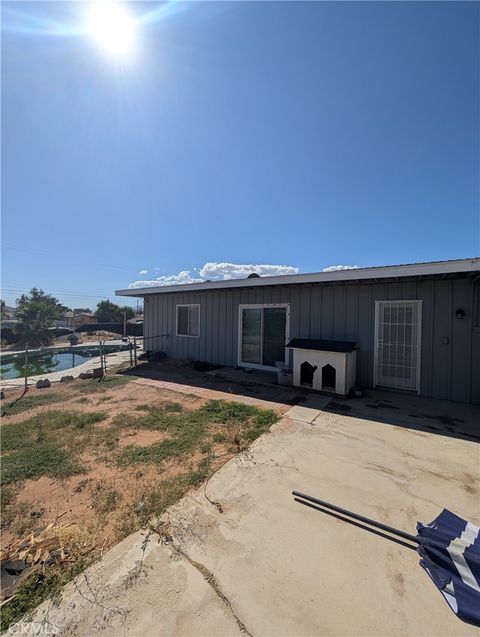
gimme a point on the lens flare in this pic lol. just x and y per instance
(113, 28)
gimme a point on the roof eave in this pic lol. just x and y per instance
(359, 274)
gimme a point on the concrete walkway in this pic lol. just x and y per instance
(258, 563)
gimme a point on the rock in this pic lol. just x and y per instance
(41, 384)
(66, 379)
(37, 514)
(204, 366)
(12, 572)
(155, 357)
(86, 375)
(2, 394)
(97, 372)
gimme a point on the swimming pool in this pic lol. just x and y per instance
(47, 362)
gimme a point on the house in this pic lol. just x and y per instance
(413, 327)
(9, 313)
(76, 319)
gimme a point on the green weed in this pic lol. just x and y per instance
(46, 444)
(93, 385)
(34, 590)
(31, 402)
(191, 429)
(157, 452)
(229, 412)
(105, 498)
(153, 502)
(164, 407)
(36, 461)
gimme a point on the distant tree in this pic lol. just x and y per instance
(83, 310)
(36, 313)
(108, 312)
(3, 308)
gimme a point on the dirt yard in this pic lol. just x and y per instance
(86, 463)
(258, 563)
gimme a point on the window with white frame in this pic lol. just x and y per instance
(188, 320)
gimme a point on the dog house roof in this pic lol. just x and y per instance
(322, 346)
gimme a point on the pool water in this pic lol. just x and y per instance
(13, 366)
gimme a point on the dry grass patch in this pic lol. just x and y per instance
(108, 473)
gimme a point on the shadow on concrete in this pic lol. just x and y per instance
(442, 417)
(237, 382)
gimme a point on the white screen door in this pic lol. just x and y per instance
(397, 344)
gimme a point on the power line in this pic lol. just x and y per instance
(18, 290)
(78, 260)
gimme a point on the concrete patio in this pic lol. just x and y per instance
(249, 560)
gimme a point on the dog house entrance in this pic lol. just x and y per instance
(329, 378)
(306, 373)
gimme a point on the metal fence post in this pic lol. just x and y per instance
(135, 349)
(26, 367)
(131, 354)
(101, 357)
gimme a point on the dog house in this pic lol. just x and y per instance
(327, 366)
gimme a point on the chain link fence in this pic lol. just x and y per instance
(42, 366)
(64, 362)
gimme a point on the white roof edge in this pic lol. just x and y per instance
(376, 272)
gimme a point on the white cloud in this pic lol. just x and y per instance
(217, 272)
(143, 272)
(336, 268)
(241, 271)
(174, 279)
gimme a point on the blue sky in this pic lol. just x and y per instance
(297, 134)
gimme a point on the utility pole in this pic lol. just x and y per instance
(125, 323)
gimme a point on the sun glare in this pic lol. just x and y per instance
(112, 27)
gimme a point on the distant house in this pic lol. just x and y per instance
(9, 313)
(413, 328)
(79, 318)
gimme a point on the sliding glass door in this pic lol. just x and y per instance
(263, 333)
(251, 336)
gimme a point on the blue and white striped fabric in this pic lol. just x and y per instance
(450, 552)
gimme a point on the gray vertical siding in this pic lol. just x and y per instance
(343, 312)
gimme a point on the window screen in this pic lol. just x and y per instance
(188, 320)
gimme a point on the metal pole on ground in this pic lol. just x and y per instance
(303, 498)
